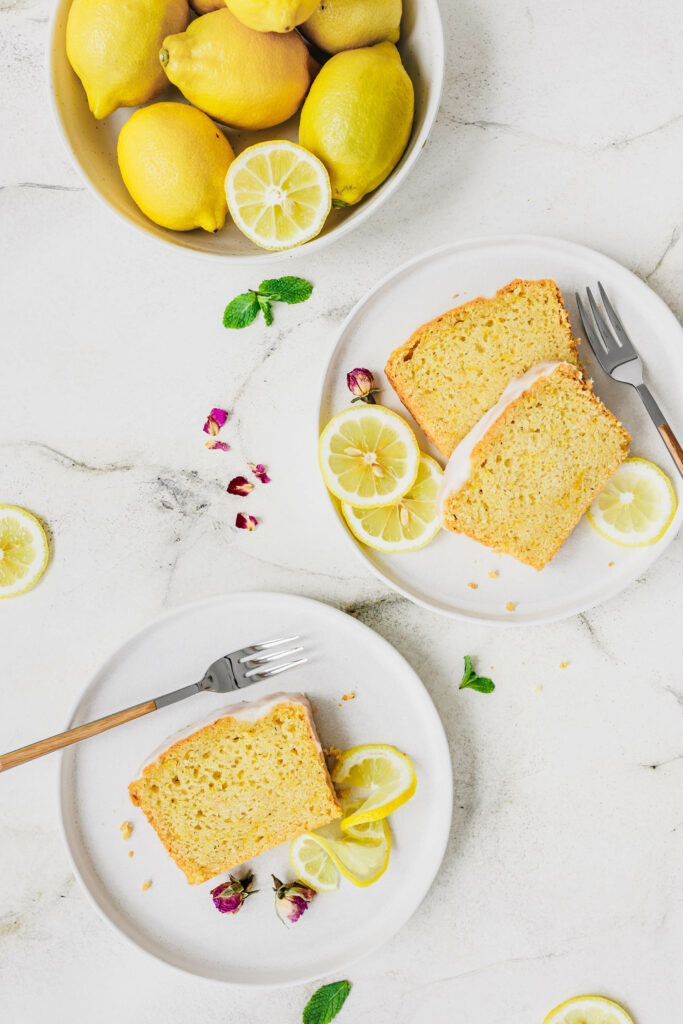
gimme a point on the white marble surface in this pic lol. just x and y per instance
(564, 870)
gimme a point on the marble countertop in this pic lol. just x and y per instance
(563, 874)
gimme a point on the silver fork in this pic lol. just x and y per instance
(616, 354)
(231, 672)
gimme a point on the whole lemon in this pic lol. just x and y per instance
(173, 161)
(347, 24)
(357, 119)
(114, 48)
(205, 6)
(272, 15)
(245, 79)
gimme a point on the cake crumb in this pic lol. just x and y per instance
(493, 574)
(131, 852)
(563, 664)
(351, 695)
(147, 884)
(126, 830)
(510, 606)
(538, 689)
(473, 586)
(334, 752)
(609, 564)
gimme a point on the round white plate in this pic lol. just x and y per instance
(92, 144)
(177, 922)
(588, 569)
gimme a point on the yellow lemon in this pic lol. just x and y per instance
(636, 507)
(246, 79)
(114, 49)
(381, 774)
(23, 550)
(357, 119)
(206, 6)
(272, 15)
(347, 24)
(588, 1010)
(173, 161)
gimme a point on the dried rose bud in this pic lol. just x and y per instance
(291, 899)
(214, 421)
(220, 446)
(229, 896)
(259, 472)
(240, 485)
(243, 522)
(361, 384)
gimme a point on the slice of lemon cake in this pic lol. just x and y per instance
(526, 473)
(455, 368)
(250, 778)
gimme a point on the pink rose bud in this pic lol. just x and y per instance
(229, 896)
(361, 384)
(291, 899)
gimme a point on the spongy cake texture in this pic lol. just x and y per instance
(237, 787)
(455, 368)
(538, 468)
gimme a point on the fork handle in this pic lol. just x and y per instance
(64, 739)
(658, 418)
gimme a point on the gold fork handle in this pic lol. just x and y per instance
(672, 444)
(64, 739)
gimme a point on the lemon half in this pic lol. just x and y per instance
(24, 550)
(368, 456)
(588, 1010)
(637, 505)
(384, 776)
(279, 194)
(409, 523)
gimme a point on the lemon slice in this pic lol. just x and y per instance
(361, 863)
(23, 550)
(366, 831)
(588, 1010)
(409, 523)
(368, 456)
(637, 505)
(279, 194)
(312, 863)
(384, 775)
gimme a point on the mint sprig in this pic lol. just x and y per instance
(472, 681)
(325, 1004)
(244, 308)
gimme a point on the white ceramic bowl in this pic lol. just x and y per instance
(92, 143)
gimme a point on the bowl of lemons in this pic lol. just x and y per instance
(245, 129)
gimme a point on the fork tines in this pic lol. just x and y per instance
(611, 345)
(261, 656)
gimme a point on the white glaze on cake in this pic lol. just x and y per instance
(247, 711)
(459, 467)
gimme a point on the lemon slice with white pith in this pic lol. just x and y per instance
(408, 524)
(23, 550)
(368, 456)
(380, 774)
(637, 505)
(588, 1010)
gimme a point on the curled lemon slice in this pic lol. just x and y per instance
(383, 775)
(278, 194)
(637, 505)
(24, 550)
(409, 523)
(312, 863)
(368, 456)
(365, 831)
(588, 1010)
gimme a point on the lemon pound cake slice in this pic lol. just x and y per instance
(455, 368)
(526, 473)
(251, 778)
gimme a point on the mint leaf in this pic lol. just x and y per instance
(471, 681)
(241, 311)
(325, 1004)
(266, 309)
(286, 289)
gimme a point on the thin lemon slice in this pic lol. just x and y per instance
(279, 194)
(409, 523)
(366, 831)
(361, 863)
(384, 776)
(637, 505)
(23, 550)
(588, 1010)
(312, 863)
(368, 456)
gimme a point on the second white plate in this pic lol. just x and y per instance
(451, 574)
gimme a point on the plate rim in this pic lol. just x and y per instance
(556, 244)
(439, 738)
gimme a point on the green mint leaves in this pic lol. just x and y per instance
(470, 679)
(244, 309)
(325, 1004)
